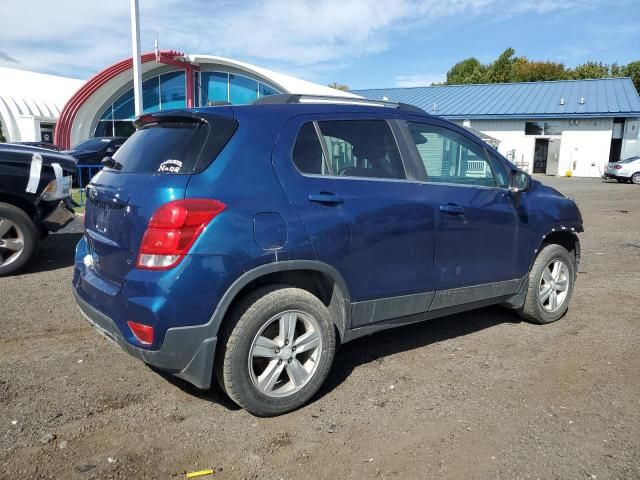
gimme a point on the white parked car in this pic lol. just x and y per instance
(625, 170)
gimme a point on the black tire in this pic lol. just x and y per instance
(246, 321)
(24, 228)
(533, 309)
(635, 178)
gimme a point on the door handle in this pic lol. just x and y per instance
(325, 197)
(452, 209)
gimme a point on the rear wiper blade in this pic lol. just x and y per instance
(111, 162)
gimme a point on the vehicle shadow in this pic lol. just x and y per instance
(214, 394)
(402, 339)
(56, 251)
(379, 345)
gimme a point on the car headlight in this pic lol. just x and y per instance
(57, 189)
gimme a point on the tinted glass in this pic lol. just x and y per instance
(266, 90)
(172, 90)
(123, 108)
(215, 87)
(242, 89)
(450, 157)
(93, 144)
(307, 152)
(150, 95)
(362, 148)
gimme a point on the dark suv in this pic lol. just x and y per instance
(246, 242)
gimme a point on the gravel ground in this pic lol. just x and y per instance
(476, 395)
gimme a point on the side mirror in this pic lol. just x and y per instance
(519, 181)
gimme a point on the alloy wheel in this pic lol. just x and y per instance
(554, 285)
(285, 353)
(11, 242)
(635, 178)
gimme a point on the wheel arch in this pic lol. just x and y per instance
(318, 278)
(564, 236)
(21, 203)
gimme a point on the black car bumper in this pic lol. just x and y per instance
(186, 352)
(61, 216)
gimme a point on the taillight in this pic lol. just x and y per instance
(617, 167)
(173, 228)
(143, 333)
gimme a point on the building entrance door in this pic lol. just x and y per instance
(540, 155)
(46, 132)
(553, 156)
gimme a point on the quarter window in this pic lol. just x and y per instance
(449, 157)
(307, 152)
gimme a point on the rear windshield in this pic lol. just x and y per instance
(630, 160)
(174, 147)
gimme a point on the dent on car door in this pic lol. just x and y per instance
(477, 226)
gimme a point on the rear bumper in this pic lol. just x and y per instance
(617, 177)
(187, 352)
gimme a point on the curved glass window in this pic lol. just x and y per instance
(242, 89)
(215, 87)
(229, 87)
(168, 91)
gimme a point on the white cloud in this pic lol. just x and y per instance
(82, 36)
(419, 80)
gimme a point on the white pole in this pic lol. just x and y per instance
(135, 48)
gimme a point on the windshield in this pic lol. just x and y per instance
(93, 144)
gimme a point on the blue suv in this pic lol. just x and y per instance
(246, 243)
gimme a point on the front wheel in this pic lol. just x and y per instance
(550, 285)
(19, 238)
(276, 350)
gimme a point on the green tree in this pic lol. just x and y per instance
(338, 86)
(525, 70)
(501, 71)
(469, 70)
(632, 69)
(590, 70)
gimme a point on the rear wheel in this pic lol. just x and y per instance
(276, 350)
(19, 238)
(550, 285)
(635, 178)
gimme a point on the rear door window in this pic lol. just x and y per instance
(174, 147)
(352, 148)
(362, 148)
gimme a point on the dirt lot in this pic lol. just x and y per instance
(477, 395)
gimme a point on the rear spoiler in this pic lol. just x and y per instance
(183, 116)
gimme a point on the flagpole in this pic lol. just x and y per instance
(135, 48)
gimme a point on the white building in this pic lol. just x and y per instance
(30, 103)
(104, 104)
(560, 127)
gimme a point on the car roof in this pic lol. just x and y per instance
(293, 109)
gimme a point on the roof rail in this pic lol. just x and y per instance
(286, 98)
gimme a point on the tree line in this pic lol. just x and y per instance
(508, 68)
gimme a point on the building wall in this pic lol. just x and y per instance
(586, 142)
(631, 138)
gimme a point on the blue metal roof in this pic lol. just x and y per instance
(609, 97)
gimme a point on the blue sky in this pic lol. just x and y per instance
(361, 43)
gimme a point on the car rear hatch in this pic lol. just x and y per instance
(152, 168)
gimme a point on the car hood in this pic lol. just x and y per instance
(18, 155)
